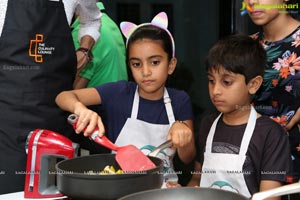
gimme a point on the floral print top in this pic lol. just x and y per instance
(279, 95)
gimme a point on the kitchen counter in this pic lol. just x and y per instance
(20, 196)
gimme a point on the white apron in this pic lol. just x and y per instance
(146, 136)
(225, 171)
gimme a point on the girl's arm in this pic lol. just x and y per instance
(182, 136)
(75, 101)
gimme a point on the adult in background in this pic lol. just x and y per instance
(108, 65)
(37, 61)
(88, 33)
(109, 62)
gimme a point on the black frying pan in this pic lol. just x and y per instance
(74, 181)
(193, 193)
(184, 193)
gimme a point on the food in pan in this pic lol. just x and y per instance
(107, 170)
(111, 170)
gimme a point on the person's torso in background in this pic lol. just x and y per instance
(109, 62)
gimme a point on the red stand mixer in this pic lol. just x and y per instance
(44, 149)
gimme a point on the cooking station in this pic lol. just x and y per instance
(20, 196)
(54, 172)
(58, 174)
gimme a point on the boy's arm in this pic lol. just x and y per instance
(276, 158)
(267, 185)
(195, 180)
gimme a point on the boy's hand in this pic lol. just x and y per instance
(170, 184)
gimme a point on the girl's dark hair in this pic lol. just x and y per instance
(154, 33)
(239, 54)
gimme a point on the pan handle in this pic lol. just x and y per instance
(287, 189)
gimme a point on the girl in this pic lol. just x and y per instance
(144, 112)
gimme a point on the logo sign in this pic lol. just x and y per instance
(246, 8)
(38, 48)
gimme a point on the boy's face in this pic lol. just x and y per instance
(264, 11)
(228, 91)
(150, 67)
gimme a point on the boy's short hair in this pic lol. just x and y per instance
(239, 54)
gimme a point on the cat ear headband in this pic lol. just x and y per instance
(160, 21)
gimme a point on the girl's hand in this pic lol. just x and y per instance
(76, 101)
(180, 134)
(88, 121)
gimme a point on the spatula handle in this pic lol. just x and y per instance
(104, 141)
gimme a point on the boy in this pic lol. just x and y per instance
(240, 150)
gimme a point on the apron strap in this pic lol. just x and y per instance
(247, 134)
(167, 101)
(168, 105)
(211, 134)
(135, 105)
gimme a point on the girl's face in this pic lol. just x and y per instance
(263, 11)
(150, 67)
(228, 91)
